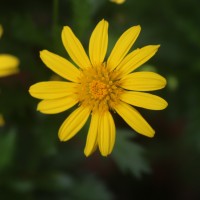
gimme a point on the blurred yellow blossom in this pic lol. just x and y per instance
(1, 30)
(118, 1)
(2, 122)
(8, 65)
(99, 87)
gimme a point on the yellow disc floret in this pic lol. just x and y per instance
(99, 89)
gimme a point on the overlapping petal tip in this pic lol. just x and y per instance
(122, 47)
(54, 106)
(60, 65)
(91, 142)
(75, 121)
(52, 89)
(8, 64)
(144, 100)
(136, 58)
(106, 136)
(143, 81)
(74, 48)
(98, 43)
(133, 118)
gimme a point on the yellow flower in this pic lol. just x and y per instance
(1, 30)
(118, 1)
(2, 122)
(99, 87)
(8, 63)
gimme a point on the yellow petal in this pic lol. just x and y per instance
(1, 30)
(75, 48)
(144, 100)
(8, 65)
(143, 81)
(98, 43)
(73, 123)
(106, 136)
(52, 89)
(133, 118)
(53, 106)
(122, 47)
(91, 143)
(60, 65)
(136, 58)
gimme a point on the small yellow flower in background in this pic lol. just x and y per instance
(8, 63)
(2, 122)
(99, 87)
(1, 30)
(118, 1)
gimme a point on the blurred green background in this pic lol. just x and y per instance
(35, 165)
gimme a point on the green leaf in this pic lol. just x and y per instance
(129, 155)
(89, 188)
(7, 146)
(55, 181)
(21, 186)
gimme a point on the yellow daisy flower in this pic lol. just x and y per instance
(8, 63)
(99, 87)
(118, 1)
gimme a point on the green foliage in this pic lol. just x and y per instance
(89, 188)
(129, 155)
(7, 147)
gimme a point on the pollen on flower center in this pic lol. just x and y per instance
(99, 88)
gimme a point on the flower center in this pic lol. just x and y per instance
(99, 88)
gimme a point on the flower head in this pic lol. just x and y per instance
(8, 63)
(99, 87)
(118, 1)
